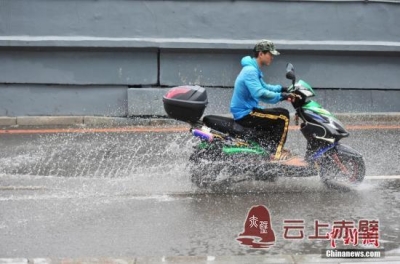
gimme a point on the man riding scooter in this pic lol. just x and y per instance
(249, 90)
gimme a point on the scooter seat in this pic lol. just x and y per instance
(226, 125)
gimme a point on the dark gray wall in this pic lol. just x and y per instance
(40, 100)
(292, 20)
(320, 69)
(78, 67)
(81, 57)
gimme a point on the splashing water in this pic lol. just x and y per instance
(97, 155)
(151, 161)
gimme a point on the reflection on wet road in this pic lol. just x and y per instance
(129, 194)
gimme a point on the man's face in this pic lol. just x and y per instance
(266, 58)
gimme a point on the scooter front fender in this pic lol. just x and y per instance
(347, 151)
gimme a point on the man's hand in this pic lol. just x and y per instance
(291, 97)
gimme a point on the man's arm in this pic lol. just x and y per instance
(258, 91)
(274, 88)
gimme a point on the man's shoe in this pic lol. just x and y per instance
(288, 159)
(295, 161)
(285, 155)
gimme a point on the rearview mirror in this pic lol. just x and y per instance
(290, 72)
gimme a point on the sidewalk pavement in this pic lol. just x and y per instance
(206, 260)
(96, 121)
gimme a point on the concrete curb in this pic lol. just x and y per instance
(205, 260)
(48, 120)
(124, 121)
(97, 121)
(91, 121)
(8, 121)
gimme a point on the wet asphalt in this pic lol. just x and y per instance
(129, 194)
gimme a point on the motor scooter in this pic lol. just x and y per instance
(228, 152)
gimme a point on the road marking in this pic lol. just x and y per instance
(153, 129)
(164, 197)
(383, 177)
(13, 261)
(210, 258)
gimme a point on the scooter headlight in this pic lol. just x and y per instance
(337, 125)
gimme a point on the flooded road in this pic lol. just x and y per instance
(129, 194)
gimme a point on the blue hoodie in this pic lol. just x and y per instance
(250, 89)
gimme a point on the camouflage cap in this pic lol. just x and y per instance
(266, 45)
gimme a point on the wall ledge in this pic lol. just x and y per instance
(192, 43)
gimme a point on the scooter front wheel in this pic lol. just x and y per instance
(339, 168)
